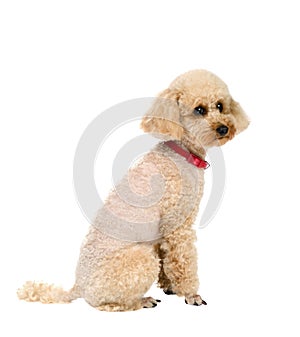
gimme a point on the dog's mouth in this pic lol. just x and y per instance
(221, 140)
(211, 137)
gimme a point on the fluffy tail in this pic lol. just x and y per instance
(46, 293)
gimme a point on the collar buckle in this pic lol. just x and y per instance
(193, 159)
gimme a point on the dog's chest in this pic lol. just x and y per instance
(183, 187)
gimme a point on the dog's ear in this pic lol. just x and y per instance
(164, 116)
(241, 118)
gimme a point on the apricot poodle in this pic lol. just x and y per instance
(144, 233)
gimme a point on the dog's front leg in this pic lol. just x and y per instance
(179, 265)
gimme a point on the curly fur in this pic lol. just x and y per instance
(158, 198)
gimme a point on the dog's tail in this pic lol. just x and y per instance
(46, 293)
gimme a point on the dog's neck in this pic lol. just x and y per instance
(190, 157)
(187, 144)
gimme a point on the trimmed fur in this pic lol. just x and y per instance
(158, 199)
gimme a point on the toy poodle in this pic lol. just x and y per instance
(144, 233)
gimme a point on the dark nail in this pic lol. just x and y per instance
(158, 301)
(203, 302)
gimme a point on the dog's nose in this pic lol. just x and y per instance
(222, 130)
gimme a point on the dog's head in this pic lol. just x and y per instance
(196, 109)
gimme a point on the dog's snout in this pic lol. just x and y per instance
(222, 130)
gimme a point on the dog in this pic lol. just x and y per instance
(144, 233)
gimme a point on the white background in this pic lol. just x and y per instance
(61, 64)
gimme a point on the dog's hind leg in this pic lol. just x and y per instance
(123, 278)
(145, 302)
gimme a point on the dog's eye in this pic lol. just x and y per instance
(200, 110)
(220, 106)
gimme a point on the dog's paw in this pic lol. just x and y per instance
(194, 300)
(149, 302)
(169, 292)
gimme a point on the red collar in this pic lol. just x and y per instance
(190, 157)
